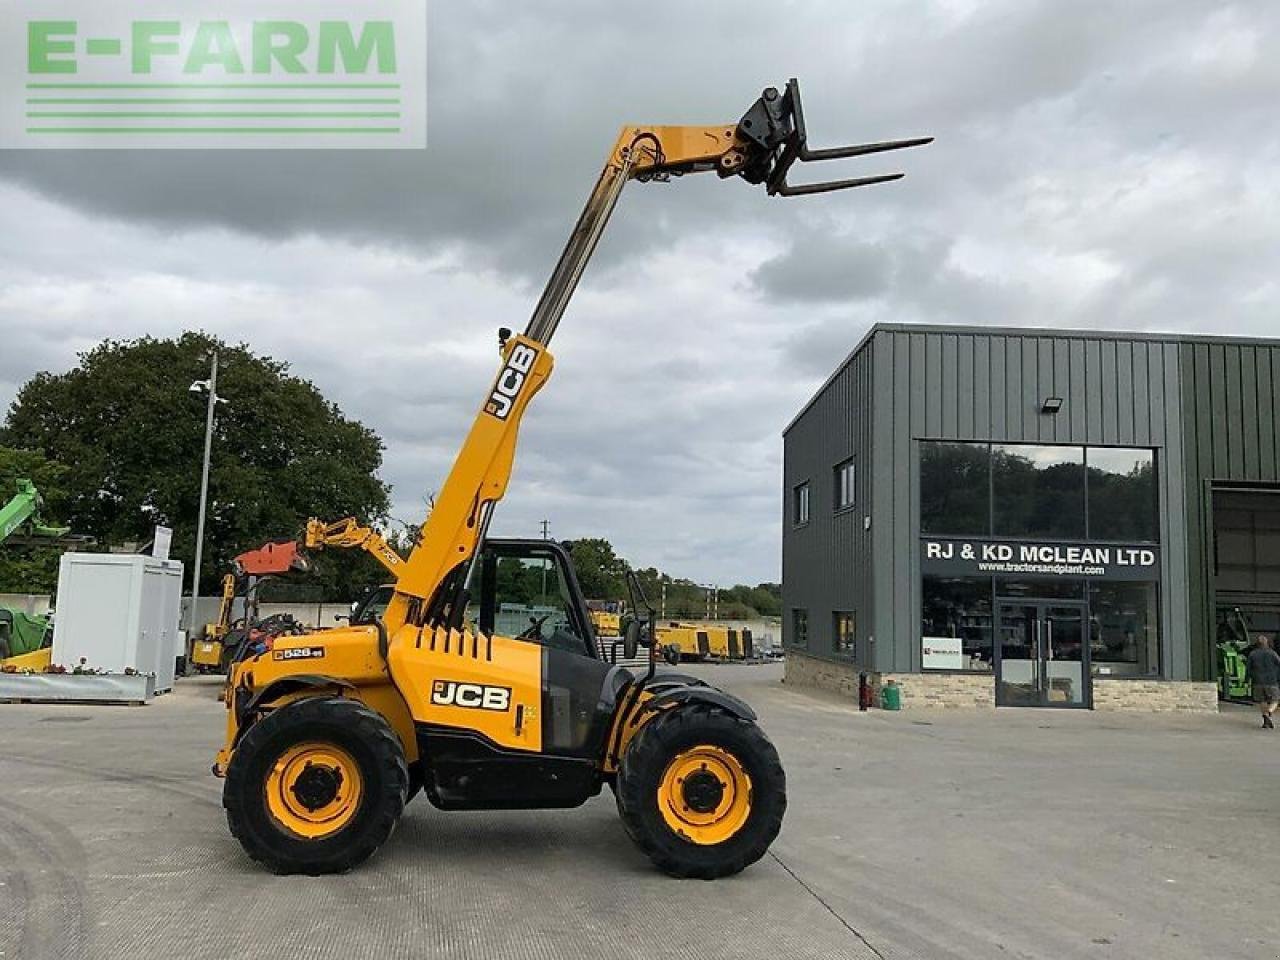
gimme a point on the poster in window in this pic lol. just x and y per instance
(941, 653)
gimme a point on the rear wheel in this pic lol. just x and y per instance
(316, 786)
(702, 792)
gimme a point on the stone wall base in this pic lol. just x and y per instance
(947, 690)
(800, 670)
(918, 690)
(1160, 696)
(977, 691)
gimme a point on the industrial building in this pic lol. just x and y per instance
(1018, 517)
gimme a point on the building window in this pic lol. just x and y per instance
(1122, 494)
(955, 488)
(843, 485)
(960, 608)
(844, 634)
(1038, 491)
(799, 627)
(800, 504)
(1124, 634)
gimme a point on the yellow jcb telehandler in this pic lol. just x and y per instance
(330, 734)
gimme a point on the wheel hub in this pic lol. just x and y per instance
(314, 789)
(317, 786)
(702, 791)
(704, 794)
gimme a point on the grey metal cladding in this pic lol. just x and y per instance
(826, 563)
(1232, 415)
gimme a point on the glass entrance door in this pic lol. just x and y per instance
(1041, 654)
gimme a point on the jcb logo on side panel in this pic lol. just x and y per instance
(514, 373)
(473, 696)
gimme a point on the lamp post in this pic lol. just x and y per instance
(209, 387)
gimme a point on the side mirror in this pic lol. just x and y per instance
(671, 654)
(631, 640)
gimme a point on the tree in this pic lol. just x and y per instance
(602, 574)
(131, 435)
(32, 569)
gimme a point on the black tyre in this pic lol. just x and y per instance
(415, 781)
(316, 786)
(701, 792)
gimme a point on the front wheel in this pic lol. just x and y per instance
(316, 786)
(702, 792)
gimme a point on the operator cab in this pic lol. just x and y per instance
(527, 589)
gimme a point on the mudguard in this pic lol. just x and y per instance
(287, 685)
(699, 693)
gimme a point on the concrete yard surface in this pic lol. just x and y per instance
(1009, 833)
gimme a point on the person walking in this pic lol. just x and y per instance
(1264, 672)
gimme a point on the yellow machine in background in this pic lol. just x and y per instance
(704, 641)
(207, 651)
(37, 661)
(330, 733)
(350, 535)
(606, 616)
(216, 648)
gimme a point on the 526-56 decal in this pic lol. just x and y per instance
(298, 653)
(474, 696)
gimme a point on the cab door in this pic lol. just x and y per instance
(515, 710)
(529, 591)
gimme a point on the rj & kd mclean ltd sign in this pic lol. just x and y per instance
(953, 557)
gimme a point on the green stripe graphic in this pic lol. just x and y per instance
(206, 114)
(213, 86)
(127, 100)
(213, 129)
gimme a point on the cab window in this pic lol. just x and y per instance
(373, 606)
(523, 592)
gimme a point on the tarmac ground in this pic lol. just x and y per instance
(1011, 833)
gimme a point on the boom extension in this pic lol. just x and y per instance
(762, 147)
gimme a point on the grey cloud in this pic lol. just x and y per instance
(821, 267)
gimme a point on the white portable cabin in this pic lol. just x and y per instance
(118, 611)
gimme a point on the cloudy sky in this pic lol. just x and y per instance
(1097, 165)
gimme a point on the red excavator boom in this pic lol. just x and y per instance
(283, 556)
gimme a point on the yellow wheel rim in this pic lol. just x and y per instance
(705, 795)
(314, 789)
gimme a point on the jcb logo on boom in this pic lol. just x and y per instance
(510, 380)
(474, 696)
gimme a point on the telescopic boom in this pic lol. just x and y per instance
(762, 147)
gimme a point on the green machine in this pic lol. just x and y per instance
(1233, 645)
(21, 632)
